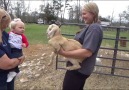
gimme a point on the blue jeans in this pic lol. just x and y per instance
(7, 85)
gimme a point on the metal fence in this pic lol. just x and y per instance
(114, 52)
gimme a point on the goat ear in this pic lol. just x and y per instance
(52, 33)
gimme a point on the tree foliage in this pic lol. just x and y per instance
(49, 13)
(4, 4)
(52, 10)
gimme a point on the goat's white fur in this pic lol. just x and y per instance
(57, 41)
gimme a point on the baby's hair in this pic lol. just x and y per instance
(17, 19)
(14, 22)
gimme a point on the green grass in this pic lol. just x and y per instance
(112, 34)
(36, 34)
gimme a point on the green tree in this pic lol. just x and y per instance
(49, 13)
(125, 14)
(34, 16)
(5, 4)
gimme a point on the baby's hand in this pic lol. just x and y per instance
(24, 45)
(22, 58)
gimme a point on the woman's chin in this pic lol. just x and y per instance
(85, 22)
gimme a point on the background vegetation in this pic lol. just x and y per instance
(55, 10)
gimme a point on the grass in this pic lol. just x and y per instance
(36, 34)
(112, 34)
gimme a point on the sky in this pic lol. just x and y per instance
(106, 7)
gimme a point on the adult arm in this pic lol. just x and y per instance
(79, 53)
(7, 63)
(90, 44)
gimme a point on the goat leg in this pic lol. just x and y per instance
(52, 58)
(75, 65)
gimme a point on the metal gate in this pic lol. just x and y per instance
(114, 52)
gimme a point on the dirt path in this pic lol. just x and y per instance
(36, 74)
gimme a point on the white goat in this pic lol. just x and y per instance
(57, 41)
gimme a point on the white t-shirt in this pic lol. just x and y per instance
(15, 40)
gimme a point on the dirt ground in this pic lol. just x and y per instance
(36, 74)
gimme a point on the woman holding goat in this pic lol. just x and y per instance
(90, 38)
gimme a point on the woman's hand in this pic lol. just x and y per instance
(21, 59)
(61, 51)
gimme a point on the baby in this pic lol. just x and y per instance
(17, 41)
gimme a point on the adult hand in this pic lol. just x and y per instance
(61, 51)
(22, 58)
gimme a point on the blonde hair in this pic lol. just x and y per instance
(92, 8)
(13, 23)
(4, 19)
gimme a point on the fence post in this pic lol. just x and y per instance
(122, 41)
(115, 51)
(57, 62)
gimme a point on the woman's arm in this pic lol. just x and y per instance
(6, 63)
(79, 53)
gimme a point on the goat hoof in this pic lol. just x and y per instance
(68, 68)
(49, 64)
(73, 68)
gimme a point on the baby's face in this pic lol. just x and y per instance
(19, 28)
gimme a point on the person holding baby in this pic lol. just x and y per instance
(7, 62)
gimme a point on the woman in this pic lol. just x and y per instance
(6, 62)
(90, 38)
